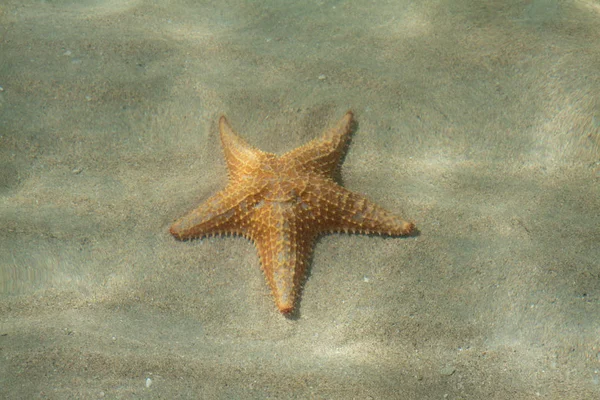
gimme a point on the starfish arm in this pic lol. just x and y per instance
(323, 155)
(228, 212)
(285, 247)
(241, 157)
(345, 211)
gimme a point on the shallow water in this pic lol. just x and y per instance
(477, 120)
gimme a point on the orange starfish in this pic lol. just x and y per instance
(283, 203)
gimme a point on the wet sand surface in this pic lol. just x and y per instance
(479, 121)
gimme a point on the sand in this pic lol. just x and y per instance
(478, 120)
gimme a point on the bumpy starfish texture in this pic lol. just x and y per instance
(283, 203)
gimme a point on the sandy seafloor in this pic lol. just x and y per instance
(478, 120)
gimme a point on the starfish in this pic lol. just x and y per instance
(284, 203)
